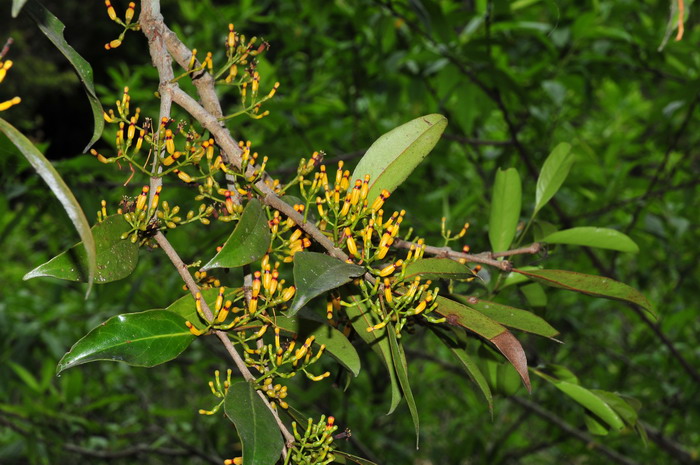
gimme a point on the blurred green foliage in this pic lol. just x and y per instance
(514, 80)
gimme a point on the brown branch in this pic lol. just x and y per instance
(486, 258)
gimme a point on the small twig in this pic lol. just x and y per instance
(486, 258)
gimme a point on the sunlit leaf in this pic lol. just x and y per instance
(248, 242)
(597, 286)
(17, 7)
(505, 209)
(392, 157)
(458, 348)
(438, 268)
(554, 171)
(512, 317)
(142, 339)
(588, 400)
(48, 173)
(316, 273)
(53, 28)
(116, 257)
(398, 358)
(603, 238)
(361, 319)
(458, 314)
(260, 436)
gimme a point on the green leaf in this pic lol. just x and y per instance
(116, 257)
(53, 29)
(17, 7)
(473, 320)
(26, 376)
(392, 157)
(534, 294)
(603, 238)
(316, 273)
(437, 268)
(458, 348)
(345, 458)
(620, 405)
(554, 171)
(362, 318)
(588, 400)
(505, 209)
(398, 357)
(248, 242)
(142, 339)
(512, 317)
(337, 345)
(256, 426)
(597, 286)
(48, 173)
(594, 426)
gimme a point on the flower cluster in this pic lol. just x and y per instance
(315, 445)
(4, 66)
(127, 23)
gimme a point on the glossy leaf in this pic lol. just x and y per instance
(438, 268)
(460, 315)
(142, 339)
(597, 286)
(17, 7)
(588, 400)
(337, 345)
(602, 238)
(316, 273)
(512, 317)
(392, 157)
(361, 319)
(248, 242)
(398, 358)
(116, 257)
(256, 426)
(458, 348)
(554, 171)
(48, 173)
(53, 28)
(505, 209)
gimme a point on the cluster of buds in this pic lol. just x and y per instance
(4, 66)
(221, 311)
(283, 358)
(204, 280)
(449, 237)
(276, 393)
(399, 300)
(219, 390)
(315, 445)
(127, 23)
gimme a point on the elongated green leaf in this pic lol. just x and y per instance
(628, 414)
(603, 238)
(17, 7)
(398, 358)
(594, 426)
(554, 171)
(116, 258)
(345, 458)
(48, 173)
(458, 314)
(597, 286)
(142, 339)
(505, 209)
(337, 345)
(316, 273)
(392, 157)
(437, 268)
(53, 29)
(248, 242)
(588, 400)
(361, 319)
(257, 428)
(458, 348)
(511, 317)
(534, 294)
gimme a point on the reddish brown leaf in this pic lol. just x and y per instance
(513, 351)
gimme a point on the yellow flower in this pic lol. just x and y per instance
(4, 66)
